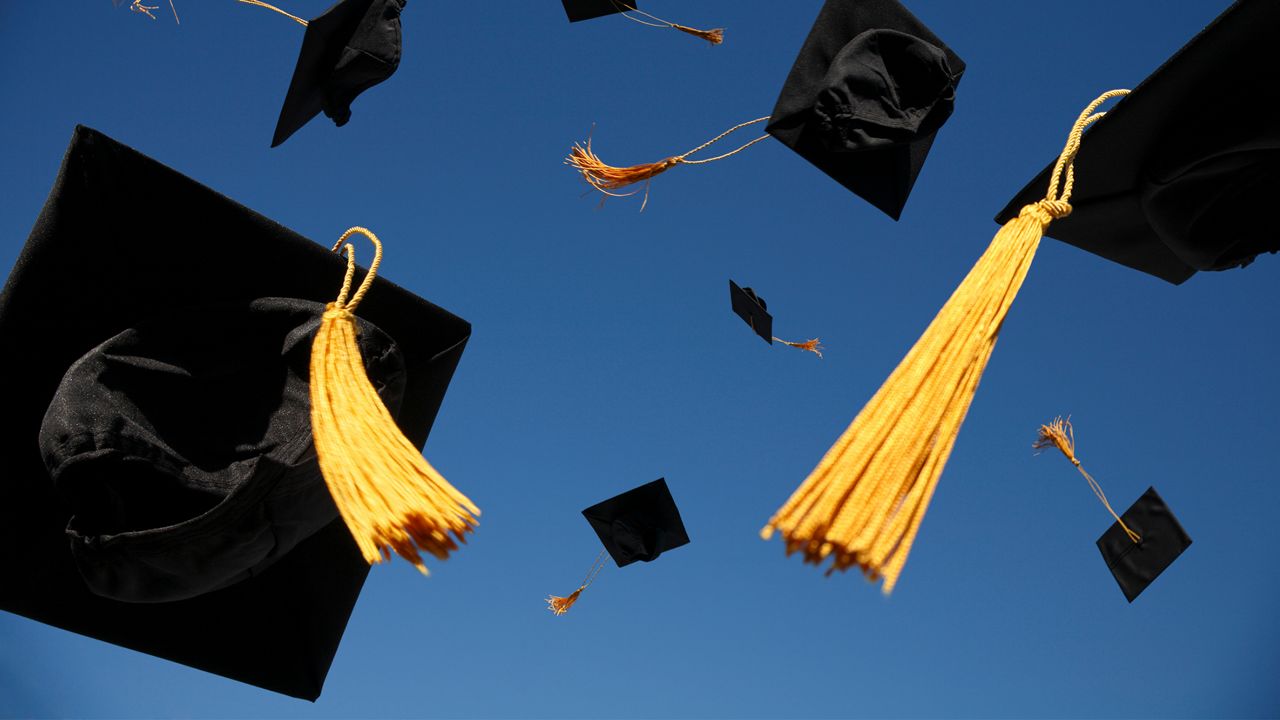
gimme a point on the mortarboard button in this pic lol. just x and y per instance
(347, 49)
(1172, 179)
(1136, 565)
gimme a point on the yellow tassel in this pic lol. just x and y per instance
(1061, 435)
(863, 504)
(607, 178)
(812, 346)
(388, 494)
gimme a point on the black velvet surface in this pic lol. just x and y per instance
(1173, 179)
(866, 97)
(752, 309)
(183, 447)
(347, 49)
(95, 266)
(1137, 565)
(640, 524)
(578, 10)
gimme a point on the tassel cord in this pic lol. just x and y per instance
(269, 6)
(715, 36)
(1062, 435)
(560, 605)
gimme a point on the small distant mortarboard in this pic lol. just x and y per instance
(638, 525)
(752, 309)
(170, 480)
(579, 10)
(1143, 541)
(863, 102)
(347, 49)
(1174, 179)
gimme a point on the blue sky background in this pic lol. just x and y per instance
(604, 355)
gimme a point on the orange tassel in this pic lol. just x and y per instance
(561, 605)
(812, 346)
(714, 36)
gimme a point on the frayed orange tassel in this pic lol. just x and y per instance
(607, 178)
(561, 605)
(812, 346)
(714, 36)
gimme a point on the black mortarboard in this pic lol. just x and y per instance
(1136, 565)
(866, 96)
(1172, 180)
(98, 279)
(640, 524)
(349, 48)
(752, 309)
(578, 10)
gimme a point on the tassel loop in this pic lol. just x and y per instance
(714, 36)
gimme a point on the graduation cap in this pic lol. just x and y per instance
(1142, 542)
(863, 102)
(347, 49)
(1172, 179)
(638, 525)
(862, 505)
(125, 433)
(752, 309)
(579, 10)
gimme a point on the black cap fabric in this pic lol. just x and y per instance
(1172, 180)
(866, 97)
(751, 308)
(587, 9)
(97, 268)
(183, 449)
(640, 524)
(1136, 565)
(349, 48)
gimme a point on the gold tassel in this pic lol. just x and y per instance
(560, 605)
(1061, 435)
(812, 346)
(863, 504)
(607, 178)
(388, 494)
(715, 36)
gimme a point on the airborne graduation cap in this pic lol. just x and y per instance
(638, 525)
(579, 10)
(752, 309)
(1142, 542)
(185, 389)
(1176, 177)
(347, 49)
(863, 103)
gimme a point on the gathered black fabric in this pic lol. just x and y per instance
(349, 48)
(866, 96)
(183, 447)
(1177, 177)
(98, 264)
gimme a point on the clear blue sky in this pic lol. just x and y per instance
(605, 355)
